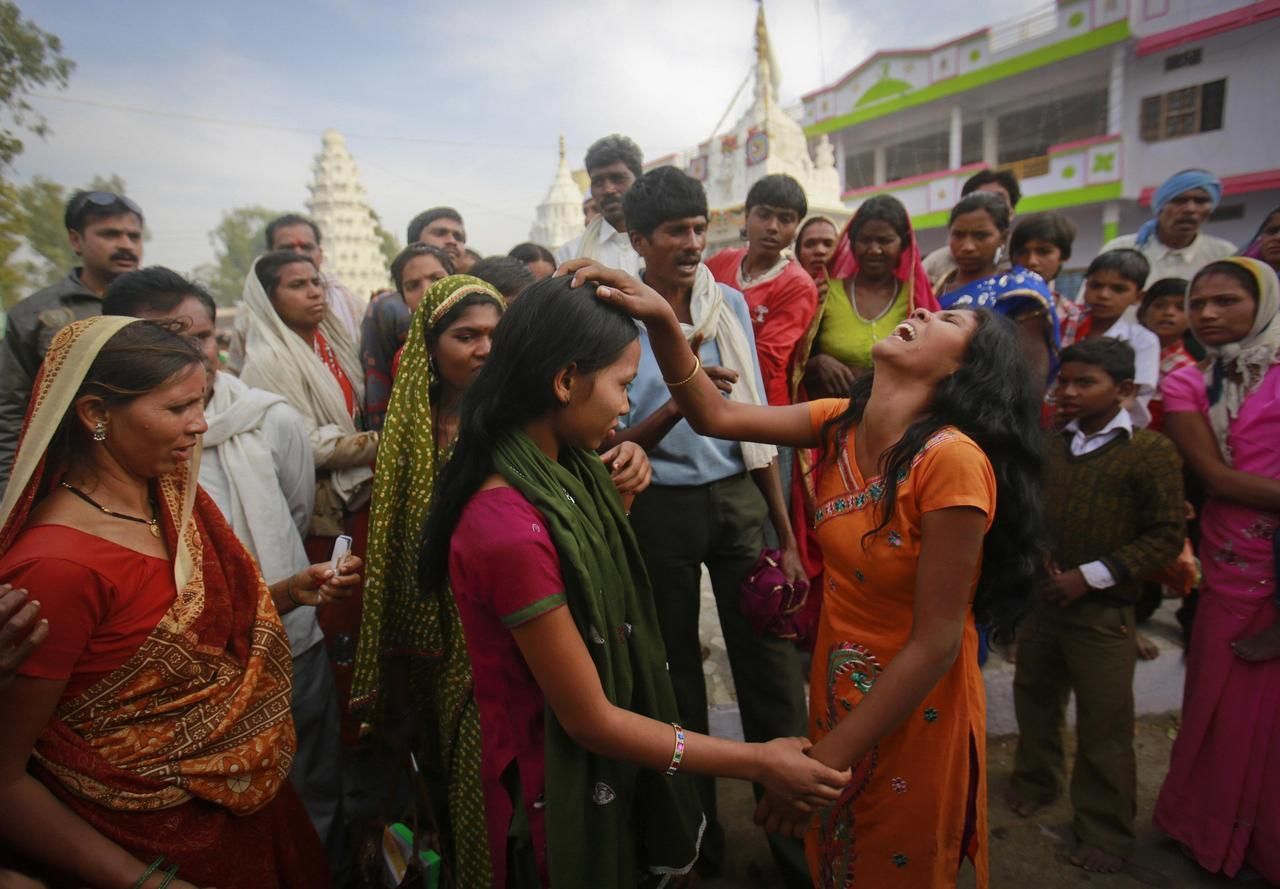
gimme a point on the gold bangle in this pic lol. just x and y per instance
(697, 366)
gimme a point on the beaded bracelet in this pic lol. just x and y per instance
(697, 366)
(678, 753)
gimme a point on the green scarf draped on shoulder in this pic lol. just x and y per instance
(610, 824)
(399, 623)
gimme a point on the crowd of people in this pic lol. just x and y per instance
(431, 561)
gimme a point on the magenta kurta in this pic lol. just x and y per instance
(1221, 798)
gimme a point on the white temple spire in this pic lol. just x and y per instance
(560, 213)
(339, 205)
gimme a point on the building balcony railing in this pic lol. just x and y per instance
(1080, 172)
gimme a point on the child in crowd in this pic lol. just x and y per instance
(1042, 243)
(1113, 284)
(1164, 313)
(1113, 514)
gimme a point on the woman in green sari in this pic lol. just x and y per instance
(576, 712)
(412, 675)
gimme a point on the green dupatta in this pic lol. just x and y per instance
(610, 824)
(399, 621)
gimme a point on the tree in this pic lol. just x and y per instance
(387, 242)
(237, 241)
(29, 59)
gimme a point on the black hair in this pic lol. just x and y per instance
(1232, 270)
(1115, 357)
(1164, 287)
(554, 326)
(286, 221)
(269, 266)
(509, 275)
(1052, 228)
(812, 220)
(414, 250)
(426, 217)
(156, 290)
(991, 204)
(882, 208)
(86, 206)
(1125, 262)
(528, 252)
(662, 194)
(614, 148)
(1004, 178)
(778, 190)
(991, 399)
(137, 359)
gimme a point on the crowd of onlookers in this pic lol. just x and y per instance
(198, 691)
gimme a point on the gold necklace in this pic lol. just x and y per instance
(153, 525)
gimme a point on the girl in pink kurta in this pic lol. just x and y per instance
(1220, 799)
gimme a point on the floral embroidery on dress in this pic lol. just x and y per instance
(930, 715)
(852, 500)
(1261, 529)
(894, 539)
(1227, 556)
(899, 859)
(862, 578)
(899, 785)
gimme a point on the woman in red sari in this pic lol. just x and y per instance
(154, 719)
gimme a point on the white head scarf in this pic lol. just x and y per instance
(1236, 369)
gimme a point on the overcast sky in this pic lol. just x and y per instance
(458, 103)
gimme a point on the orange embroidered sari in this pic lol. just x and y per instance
(183, 750)
(917, 804)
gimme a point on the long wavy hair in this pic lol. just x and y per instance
(990, 398)
(551, 327)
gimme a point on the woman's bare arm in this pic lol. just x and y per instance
(33, 819)
(1198, 446)
(558, 658)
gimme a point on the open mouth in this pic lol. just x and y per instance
(905, 331)
(688, 267)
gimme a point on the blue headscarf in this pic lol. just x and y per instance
(1010, 293)
(1170, 189)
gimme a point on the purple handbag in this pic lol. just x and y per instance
(772, 605)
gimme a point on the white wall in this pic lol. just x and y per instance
(1249, 142)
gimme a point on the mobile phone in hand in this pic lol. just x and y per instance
(341, 546)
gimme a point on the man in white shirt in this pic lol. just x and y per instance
(614, 163)
(257, 465)
(1172, 240)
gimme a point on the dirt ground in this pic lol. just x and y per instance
(1030, 852)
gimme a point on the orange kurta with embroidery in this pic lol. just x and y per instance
(917, 802)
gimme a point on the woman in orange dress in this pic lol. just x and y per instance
(914, 550)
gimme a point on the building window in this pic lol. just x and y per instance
(859, 170)
(1182, 59)
(1183, 112)
(971, 143)
(1030, 132)
(927, 154)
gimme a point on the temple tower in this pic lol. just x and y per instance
(339, 205)
(560, 213)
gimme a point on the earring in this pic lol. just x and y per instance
(100, 431)
(432, 373)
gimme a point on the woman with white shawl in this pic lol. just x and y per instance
(296, 347)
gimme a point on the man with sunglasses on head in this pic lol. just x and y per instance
(105, 231)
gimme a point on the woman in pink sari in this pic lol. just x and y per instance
(1219, 799)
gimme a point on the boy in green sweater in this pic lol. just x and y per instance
(1113, 508)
